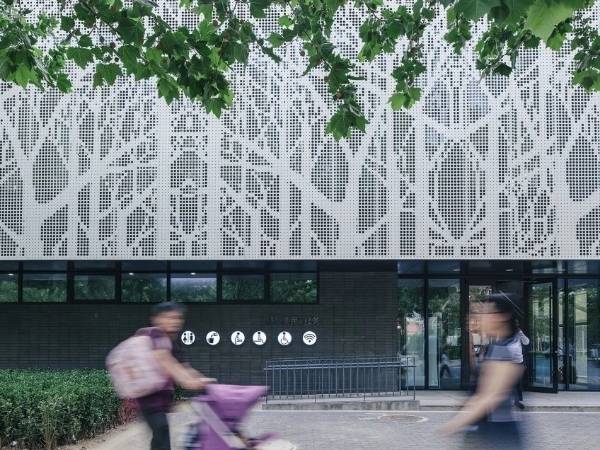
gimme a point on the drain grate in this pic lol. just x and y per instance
(402, 418)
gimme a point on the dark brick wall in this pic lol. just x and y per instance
(356, 316)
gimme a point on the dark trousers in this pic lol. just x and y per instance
(444, 368)
(519, 389)
(157, 421)
(519, 386)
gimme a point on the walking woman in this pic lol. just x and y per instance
(489, 414)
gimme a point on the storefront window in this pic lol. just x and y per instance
(444, 327)
(144, 287)
(294, 288)
(584, 330)
(45, 287)
(444, 266)
(243, 288)
(94, 287)
(411, 326)
(8, 288)
(192, 287)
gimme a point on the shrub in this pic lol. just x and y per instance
(43, 409)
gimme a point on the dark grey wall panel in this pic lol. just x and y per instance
(355, 317)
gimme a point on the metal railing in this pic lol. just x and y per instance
(340, 377)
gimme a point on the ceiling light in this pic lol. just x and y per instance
(192, 273)
(130, 274)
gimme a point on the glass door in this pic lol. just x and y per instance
(542, 356)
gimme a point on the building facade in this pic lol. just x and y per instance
(112, 187)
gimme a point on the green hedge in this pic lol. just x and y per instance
(43, 409)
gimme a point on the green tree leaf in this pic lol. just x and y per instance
(81, 56)
(475, 9)
(85, 41)
(63, 83)
(67, 23)
(106, 74)
(286, 21)
(544, 15)
(23, 75)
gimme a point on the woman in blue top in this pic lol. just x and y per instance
(489, 414)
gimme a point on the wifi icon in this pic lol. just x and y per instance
(309, 338)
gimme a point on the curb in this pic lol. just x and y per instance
(390, 405)
(407, 405)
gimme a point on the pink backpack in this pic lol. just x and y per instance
(133, 368)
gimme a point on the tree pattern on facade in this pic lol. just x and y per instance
(493, 168)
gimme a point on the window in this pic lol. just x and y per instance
(443, 322)
(192, 287)
(144, 266)
(243, 288)
(94, 287)
(9, 266)
(42, 266)
(194, 266)
(293, 266)
(243, 265)
(547, 267)
(294, 288)
(143, 287)
(411, 326)
(444, 266)
(94, 265)
(44, 287)
(8, 288)
(411, 267)
(583, 267)
(583, 350)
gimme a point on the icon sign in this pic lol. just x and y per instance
(259, 338)
(284, 338)
(212, 338)
(188, 337)
(237, 338)
(309, 338)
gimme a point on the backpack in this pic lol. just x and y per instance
(133, 368)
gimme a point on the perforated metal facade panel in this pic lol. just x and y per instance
(499, 168)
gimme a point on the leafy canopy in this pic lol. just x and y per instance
(130, 38)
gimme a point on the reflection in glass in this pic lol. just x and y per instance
(563, 358)
(547, 267)
(143, 265)
(294, 288)
(477, 340)
(45, 265)
(444, 328)
(9, 266)
(540, 329)
(144, 287)
(411, 267)
(44, 287)
(8, 288)
(94, 287)
(411, 326)
(94, 265)
(237, 288)
(444, 266)
(200, 287)
(584, 325)
(583, 267)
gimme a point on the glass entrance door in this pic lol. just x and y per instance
(542, 355)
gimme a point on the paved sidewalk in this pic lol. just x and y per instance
(367, 430)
